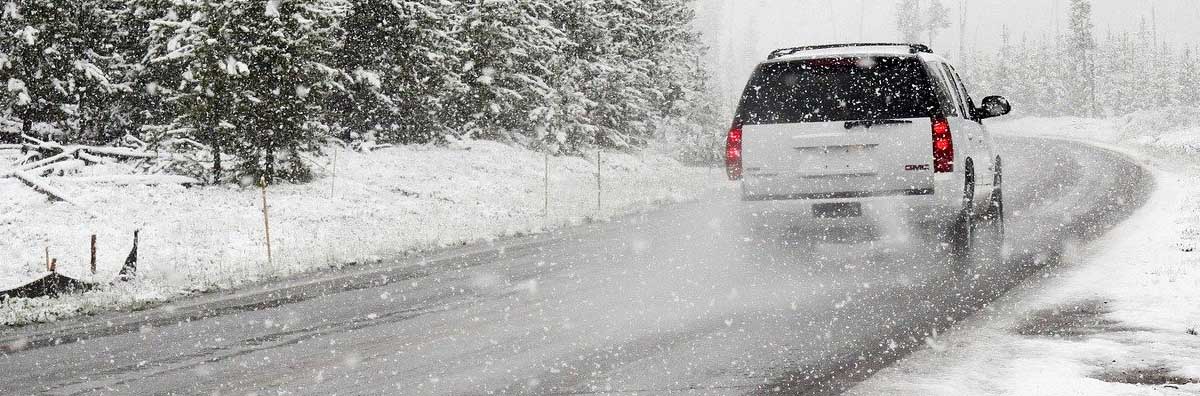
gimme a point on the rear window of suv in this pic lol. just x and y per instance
(838, 89)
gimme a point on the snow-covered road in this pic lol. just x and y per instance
(675, 300)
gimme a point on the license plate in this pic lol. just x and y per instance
(837, 210)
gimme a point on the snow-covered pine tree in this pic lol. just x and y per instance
(622, 85)
(695, 129)
(147, 104)
(400, 61)
(508, 47)
(937, 17)
(1162, 73)
(1081, 51)
(1002, 77)
(673, 47)
(255, 79)
(1042, 89)
(909, 20)
(55, 60)
(586, 62)
(629, 67)
(188, 61)
(1187, 83)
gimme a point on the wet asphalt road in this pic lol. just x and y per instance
(677, 300)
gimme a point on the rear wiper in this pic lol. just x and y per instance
(870, 123)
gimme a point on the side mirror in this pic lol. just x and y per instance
(993, 106)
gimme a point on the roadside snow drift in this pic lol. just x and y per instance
(363, 207)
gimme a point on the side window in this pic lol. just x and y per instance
(970, 103)
(944, 91)
(960, 95)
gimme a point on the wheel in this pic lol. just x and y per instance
(996, 210)
(988, 249)
(962, 233)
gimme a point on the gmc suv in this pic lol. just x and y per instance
(861, 130)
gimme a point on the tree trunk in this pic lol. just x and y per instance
(216, 162)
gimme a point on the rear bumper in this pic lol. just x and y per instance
(921, 207)
(840, 195)
(912, 208)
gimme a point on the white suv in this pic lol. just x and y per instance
(860, 130)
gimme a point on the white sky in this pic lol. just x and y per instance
(741, 32)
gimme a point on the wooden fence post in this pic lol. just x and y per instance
(598, 185)
(546, 186)
(93, 261)
(333, 176)
(266, 220)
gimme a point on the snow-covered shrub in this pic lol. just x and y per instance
(1170, 131)
(1157, 121)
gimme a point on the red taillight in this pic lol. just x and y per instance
(943, 146)
(733, 152)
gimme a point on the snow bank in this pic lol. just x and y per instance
(1120, 321)
(363, 207)
(1171, 132)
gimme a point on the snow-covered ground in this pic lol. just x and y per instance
(363, 207)
(1118, 318)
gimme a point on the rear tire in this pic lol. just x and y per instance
(962, 232)
(996, 205)
(987, 252)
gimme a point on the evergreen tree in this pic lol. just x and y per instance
(1188, 80)
(626, 92)
(258, 83)
(673, 47)
(628, 66)
(937, 17)
(400, 60)
(147, 104)
(697, 127)
(509, 46)
(254, 80)
(585, 62)
(1081, 47)
(1003, 76)
(909, 20)
(56, 60)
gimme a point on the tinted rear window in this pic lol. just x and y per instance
(838, 89)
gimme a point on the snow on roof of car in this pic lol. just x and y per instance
(889, 50)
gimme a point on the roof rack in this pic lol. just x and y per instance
(913, 48)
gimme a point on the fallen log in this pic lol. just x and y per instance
(124, 180)
(40, 185)
(86, 156)
(31, 139)
(59, 168)
(119, 152)
(69, 153)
